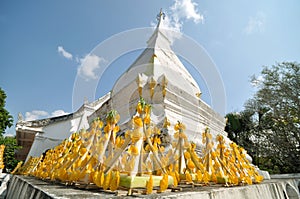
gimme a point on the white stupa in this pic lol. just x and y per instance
(162, 80)
(159, 77)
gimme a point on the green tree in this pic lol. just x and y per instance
(11, 147)
(277, 105)
(233, 126)
(239, 125)
(240, 128)
(6, 120)
(274, 119)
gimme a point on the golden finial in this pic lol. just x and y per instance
(160, 15)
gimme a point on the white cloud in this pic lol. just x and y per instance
(170, 23)
(186, 9)
(58, 113)
(256, 81)
(176, 14)
(35, 114)
(64, 53)
(171, 28)
(39, 114)
(89, 66)
(256, 24)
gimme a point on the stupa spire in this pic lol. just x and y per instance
(158, 60)
(158, 38)
(160, 16)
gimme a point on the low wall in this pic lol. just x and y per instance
(29, 188)
(4, 181)
(19, 187)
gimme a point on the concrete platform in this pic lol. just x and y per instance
(26, 187)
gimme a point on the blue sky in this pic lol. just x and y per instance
(43, 43)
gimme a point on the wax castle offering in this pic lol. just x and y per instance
(109, 159)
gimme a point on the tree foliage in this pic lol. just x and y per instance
(6, 120)
(269, 127)
(238, 125)
(11, 147)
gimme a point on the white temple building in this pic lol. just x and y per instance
(159, 77)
